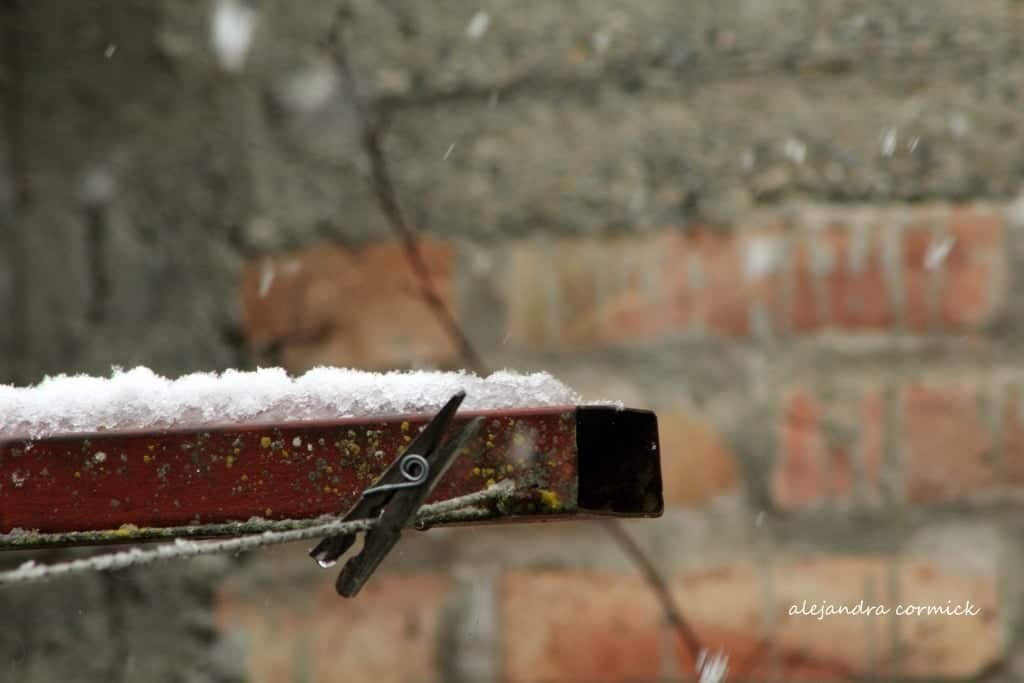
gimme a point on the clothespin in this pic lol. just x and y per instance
(395, 497)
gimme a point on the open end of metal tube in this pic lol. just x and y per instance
(619, 461)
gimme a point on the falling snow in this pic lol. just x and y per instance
(140, 398)
(1016, 209)
(795, 150)
(478, 25)
(937, 252)
(889, 143)
(761, 257)
(308, 91)
(959, 125)
(712, 668)
(231, 31)
(266, 278)
(747, 160)
(97, 186)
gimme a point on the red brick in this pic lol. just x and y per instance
(805, 313)
(357, 308)
(729, 287)
(388, 633)
(528, 318)
(855, 296)
(595, 293)
(948, 451)
(872, 442)
(979, 227)
(576, 283)
(817, 446)
(766, 289)
(722, 306)
(696, 464)
(578, 626)
(586, 293)
(1013, 436)
(858, 296)
(975, 268)
(639, 298)
(590, 627)
(799, 478)
(917, 240)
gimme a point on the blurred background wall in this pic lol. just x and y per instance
(791, 228)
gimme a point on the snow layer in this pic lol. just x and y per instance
(139, 398)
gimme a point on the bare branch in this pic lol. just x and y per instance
(658, 585)
(372, 127)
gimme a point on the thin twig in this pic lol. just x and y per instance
(384, 189)
(371, 125)
(182, 548)
(14, 48)
(660, 587)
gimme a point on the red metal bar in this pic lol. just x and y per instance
(231, 479)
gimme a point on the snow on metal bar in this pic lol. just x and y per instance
(140, 399)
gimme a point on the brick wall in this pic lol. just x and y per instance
(842, 422)
(792, 229)
(820, 305)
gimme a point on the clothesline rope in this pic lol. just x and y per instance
(463, 507)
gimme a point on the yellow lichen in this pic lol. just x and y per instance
(550, 499)
(265, 441)
(405, 425)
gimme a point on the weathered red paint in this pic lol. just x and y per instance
(141, 480)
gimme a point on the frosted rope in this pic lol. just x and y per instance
(30, 572)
